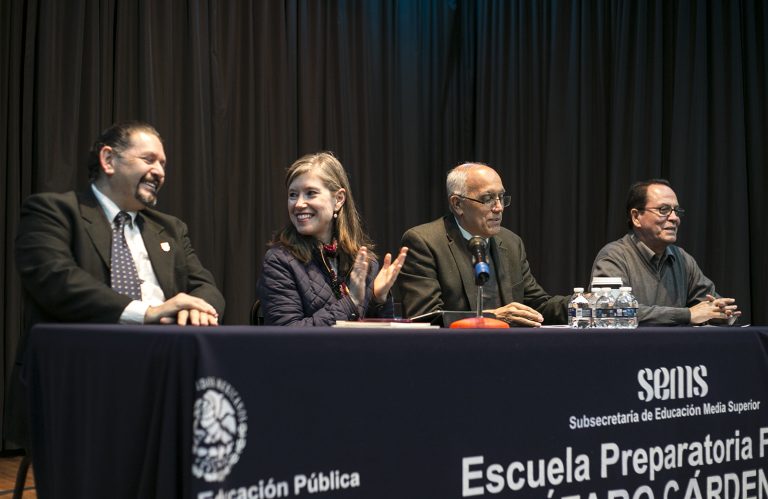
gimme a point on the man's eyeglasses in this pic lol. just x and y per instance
(666, 210)
(490, 200)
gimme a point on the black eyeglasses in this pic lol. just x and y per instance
(666, 210)
(490, 200)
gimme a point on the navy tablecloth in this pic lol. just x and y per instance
(121, 411)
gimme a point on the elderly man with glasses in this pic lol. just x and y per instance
(669, 286)
(438, 273)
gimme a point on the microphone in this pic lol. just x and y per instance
(477, 247)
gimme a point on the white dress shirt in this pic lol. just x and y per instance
(151, 292)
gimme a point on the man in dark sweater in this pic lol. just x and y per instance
(669, 286)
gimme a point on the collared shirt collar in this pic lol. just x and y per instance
(110, 208)
(466, 235)
(654, 260)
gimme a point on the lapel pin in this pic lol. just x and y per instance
(165, 246)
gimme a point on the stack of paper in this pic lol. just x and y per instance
(384, 324)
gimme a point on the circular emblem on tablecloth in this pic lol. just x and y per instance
(219, 427)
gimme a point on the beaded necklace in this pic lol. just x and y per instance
(328, 253)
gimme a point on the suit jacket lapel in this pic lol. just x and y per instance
(96, 225)
(160, 250)
(502, 259)
(462, 258)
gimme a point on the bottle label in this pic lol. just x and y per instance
(579, 312)
(605, 313)
(626, 312)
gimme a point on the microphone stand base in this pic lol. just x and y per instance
(479, 323)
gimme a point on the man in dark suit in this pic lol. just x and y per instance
(438, 273)
(65, 249)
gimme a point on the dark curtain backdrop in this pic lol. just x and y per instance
(570, 101)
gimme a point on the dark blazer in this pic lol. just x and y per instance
(438, 275)
(294, 293)
(63, 247)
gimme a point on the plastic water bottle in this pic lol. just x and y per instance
(626, 309)
(605, 315)
(579, 313)
(594, 295)
(612, 295)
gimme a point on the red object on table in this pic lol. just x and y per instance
(479, 323)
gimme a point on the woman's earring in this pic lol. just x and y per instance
(335, 214)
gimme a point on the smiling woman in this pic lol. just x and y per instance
(321, 267)
(312, 207)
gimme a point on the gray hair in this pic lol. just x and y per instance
(456, 182)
